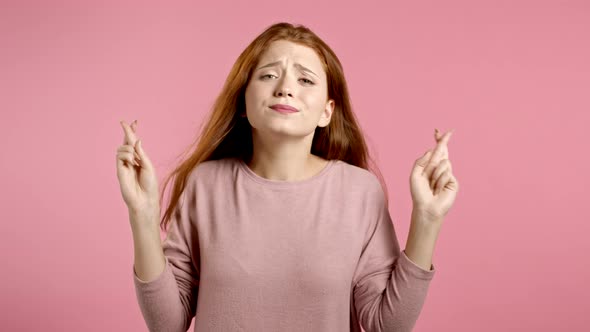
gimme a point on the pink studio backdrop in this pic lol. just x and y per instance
(511, 77)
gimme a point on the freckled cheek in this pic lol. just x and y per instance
(313, 103)
(254, 100)
(260, 97)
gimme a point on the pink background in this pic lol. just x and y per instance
(511, 77)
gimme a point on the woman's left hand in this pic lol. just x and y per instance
(432, 184)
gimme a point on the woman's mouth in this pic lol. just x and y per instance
(285, 109)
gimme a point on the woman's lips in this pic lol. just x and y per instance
(284, 108)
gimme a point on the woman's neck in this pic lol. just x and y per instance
(290, 169)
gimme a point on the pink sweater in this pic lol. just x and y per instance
(244, 253)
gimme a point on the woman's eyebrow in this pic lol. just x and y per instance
(297, 65)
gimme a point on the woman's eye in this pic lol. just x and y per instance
(307, 81)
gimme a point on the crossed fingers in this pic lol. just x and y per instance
(129, 140)
(130, 137)
(439, 160)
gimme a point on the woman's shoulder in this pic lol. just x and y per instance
(209, 169)
(356, 176)
(214, 164)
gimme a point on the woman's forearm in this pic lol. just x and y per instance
(422, 238)
(149, 261)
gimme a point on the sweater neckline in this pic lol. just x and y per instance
(284, 184)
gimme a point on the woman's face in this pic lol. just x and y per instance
(289, 74)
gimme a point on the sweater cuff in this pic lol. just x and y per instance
(155, 283)
(414, 269)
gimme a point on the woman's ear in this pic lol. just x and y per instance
(327, 113)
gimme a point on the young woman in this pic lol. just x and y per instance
(275, 222)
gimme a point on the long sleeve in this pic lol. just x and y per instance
(389, 289)
(314, 255)
(168, 303)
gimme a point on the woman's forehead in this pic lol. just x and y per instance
(282, 50)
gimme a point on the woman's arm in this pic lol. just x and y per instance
(422, 238)
(149, 261)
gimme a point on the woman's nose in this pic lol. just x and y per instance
(284, 92)
(283, 89)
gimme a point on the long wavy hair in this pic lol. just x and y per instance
(227, 134)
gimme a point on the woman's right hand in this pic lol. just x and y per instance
(137, 176)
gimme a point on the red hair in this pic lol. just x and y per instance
(227, 134)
